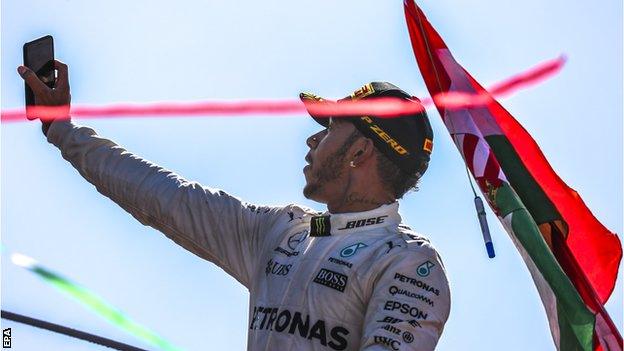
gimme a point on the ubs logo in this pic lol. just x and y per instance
(276, 268)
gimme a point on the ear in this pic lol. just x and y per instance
(362, 151)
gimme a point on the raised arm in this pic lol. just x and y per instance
(207, 222)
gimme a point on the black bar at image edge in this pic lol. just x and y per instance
(68, 331)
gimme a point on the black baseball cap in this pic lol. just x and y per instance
(406, 140)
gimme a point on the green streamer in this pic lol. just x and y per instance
(94, 303)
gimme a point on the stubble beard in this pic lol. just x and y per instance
(329, 171)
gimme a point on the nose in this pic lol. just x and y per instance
(313, 140)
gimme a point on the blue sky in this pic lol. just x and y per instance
(141, 51)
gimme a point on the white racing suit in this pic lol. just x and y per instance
(348, 281)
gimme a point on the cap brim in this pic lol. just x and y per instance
(308, 99)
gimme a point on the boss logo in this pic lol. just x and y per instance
(331, 279)
(364, 222)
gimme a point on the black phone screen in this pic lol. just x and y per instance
(39, 57)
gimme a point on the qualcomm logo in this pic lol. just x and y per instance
(351, 250)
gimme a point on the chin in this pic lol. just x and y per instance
(311, 191)
(308, 191)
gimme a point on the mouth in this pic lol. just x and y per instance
(308, 159)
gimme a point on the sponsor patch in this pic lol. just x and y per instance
(331, 279)
(394, 290)
(424, 269)
(351, 250)
(276, 268)
(417, 283)
(363, 222)
(340, 262)
(388, 319)
(296, 239)
(392, 329)
(320, 226)
(273, 319)
(408, 337)
(404, 308)
(383, 340)
(392, 245)
(286, 252)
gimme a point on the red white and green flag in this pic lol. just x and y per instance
(571, 256)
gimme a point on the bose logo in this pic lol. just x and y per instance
(364, 222)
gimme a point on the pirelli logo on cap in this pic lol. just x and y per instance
(398, 148)
(428, 145)
(363, 92)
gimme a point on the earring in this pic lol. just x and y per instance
(352, 164)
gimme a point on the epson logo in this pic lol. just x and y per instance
(331, 279)
(405, 309)
(364, 222)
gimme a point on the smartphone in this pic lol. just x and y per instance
(39, 57)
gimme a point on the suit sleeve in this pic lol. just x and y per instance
(209, 223)
(409, 304)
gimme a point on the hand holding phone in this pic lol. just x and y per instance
(47, 97)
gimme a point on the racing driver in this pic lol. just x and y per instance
(351, 278)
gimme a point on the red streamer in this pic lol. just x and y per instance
(381, 107)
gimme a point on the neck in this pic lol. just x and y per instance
(358, 202)
(363, 191)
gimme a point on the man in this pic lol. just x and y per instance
(352, 278)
